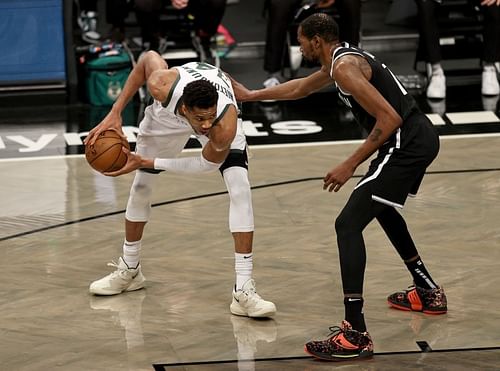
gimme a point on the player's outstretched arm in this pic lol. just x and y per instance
(290, 90)
(147, 64)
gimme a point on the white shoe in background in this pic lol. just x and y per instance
(271, 81)
(436, 88)
(489, 81)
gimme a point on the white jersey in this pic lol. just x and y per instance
(162, 119)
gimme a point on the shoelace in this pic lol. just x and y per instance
(334, 331)
(118, 271)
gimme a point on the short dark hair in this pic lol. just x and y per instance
(320, 24)
(200, 93)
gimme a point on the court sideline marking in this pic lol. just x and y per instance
(264, 146)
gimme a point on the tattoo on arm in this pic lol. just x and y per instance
(375, 135)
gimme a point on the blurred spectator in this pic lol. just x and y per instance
(87, 20)
(429, 37)
(116, 13)
(207, 16)
(279, 17)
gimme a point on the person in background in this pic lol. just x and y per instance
(280, 15)
(207, 16)
(87, 20)
(429, 37)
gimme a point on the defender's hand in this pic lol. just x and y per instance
(337, 177)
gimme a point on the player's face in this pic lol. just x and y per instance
(306, 47)
(201, 119)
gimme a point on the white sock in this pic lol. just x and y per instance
(131, 253)
(243, 265)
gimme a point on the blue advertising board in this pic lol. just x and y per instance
(31, 42)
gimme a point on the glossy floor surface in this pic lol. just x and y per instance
(62, 222)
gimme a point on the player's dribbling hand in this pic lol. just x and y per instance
(133, 163)
(337, 177)
(112, 121)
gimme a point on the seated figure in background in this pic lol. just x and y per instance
(429, 36)
(281, 14)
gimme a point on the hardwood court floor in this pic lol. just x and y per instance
(61, 223)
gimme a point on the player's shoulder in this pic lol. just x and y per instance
(225, 127)
(161, 82)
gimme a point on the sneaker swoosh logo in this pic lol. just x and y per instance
(344, 343)
(247, 257)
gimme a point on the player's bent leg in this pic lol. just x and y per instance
(240, 199)
(245, 300)
(126, 278)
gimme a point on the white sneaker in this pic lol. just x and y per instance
(437, 86)
(123, 279)
(246, 302)
(489, 82)
(490, 102)
(268, 83)
(437, 106)
(271, 81)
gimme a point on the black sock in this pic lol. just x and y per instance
(421, 277)
(354, 313)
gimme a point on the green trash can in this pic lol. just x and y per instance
(106, 76)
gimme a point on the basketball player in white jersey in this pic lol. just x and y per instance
(192, 99)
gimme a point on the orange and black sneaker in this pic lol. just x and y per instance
(418, 299)
(343, 343)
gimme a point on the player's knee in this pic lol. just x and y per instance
(138, 206)
(237, 184)
(344, 224)
(240, 193)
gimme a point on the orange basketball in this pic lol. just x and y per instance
(106, 154)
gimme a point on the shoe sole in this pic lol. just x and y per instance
(133, 287)
(238, 312)
(408, 309)
(362, 355)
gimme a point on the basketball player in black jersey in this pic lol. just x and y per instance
(406, 143)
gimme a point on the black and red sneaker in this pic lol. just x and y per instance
(343, 343)
(418, 299)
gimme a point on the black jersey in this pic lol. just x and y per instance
(400, 164)
(384, 81)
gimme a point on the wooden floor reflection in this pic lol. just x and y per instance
(61, 223)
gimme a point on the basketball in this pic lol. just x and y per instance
(106, 154)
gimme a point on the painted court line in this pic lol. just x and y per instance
(265, 146)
